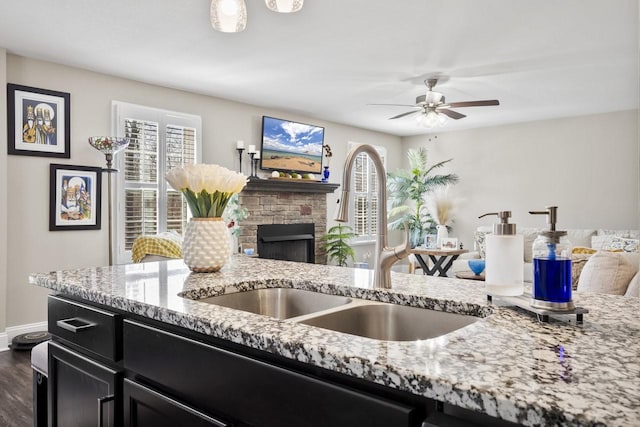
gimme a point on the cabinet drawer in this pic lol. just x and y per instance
(94, 329)
(248, 391)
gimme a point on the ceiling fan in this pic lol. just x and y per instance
(434, 108)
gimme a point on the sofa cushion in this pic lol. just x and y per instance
(529, 235)
(607, 273)
(634, 287)
(580, 237)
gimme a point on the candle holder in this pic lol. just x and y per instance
(240, 150)
(255, 160)
(251, 164)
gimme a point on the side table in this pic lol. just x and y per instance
(438, 257)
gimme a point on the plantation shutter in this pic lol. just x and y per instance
(141, 180)
(180, 150)
(365, 197)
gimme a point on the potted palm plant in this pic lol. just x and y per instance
(334, 243)
(408, 191)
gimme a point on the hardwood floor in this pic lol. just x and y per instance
(16, 392)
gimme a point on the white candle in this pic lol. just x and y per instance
(240, 144)
(252, 149)
(257, 156)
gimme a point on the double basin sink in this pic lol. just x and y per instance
(371, 319)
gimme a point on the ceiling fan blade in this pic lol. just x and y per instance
(404, 114)
(450, 113)
(393, 105)
(474, 103)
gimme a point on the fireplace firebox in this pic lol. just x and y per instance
(287, 242)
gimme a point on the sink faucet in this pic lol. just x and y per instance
(385, 256)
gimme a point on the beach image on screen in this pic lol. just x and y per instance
(290, 146)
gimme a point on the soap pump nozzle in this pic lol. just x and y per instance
(552, 218)
(503, 227)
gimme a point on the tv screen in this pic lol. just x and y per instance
(289, 146)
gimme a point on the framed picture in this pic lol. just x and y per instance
(430, 241)
(74, 200)
(38, 121)
(449, 244)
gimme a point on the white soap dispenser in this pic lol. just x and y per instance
(504, 271)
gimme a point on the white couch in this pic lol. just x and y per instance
(588, 238)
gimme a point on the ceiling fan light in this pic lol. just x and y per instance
(284, 6)
(228, 16)
(430, 120)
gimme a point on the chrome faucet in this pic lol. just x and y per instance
(385, 257)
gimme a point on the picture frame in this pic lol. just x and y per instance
(449, 244)
(38, 122)
(431, 241)
(74, 197)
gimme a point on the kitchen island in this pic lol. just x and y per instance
(507, 365)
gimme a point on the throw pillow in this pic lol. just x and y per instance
(480, 242)
(634, 287)
(607, 273)
(578, 261)
(615, 243)
(584, 251)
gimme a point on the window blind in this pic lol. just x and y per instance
(143, 160)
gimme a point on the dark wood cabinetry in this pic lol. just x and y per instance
(82, 392)
(110, 368)
(145, 407)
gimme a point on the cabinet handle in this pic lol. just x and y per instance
(75, 324)
(101, 402)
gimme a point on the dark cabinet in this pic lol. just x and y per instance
(82, 392)
(146, 407)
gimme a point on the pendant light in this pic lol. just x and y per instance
(284, 6)
(228, 16)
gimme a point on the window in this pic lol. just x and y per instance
(159, 141)
(364, 208)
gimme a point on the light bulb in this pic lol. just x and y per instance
(228, 16)
(228, 7)
(284, 6)
(431, 119)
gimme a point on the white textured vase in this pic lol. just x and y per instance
(443, 233)
(206, 246)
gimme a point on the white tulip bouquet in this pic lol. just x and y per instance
(207, 188)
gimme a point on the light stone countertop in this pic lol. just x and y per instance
(507, 364)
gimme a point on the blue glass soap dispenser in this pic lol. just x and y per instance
(551, 266)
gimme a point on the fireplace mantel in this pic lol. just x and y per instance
(294, 186)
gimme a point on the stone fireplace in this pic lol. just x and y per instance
(285, 202)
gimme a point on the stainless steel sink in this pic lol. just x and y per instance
(390, 322)
(281, 303)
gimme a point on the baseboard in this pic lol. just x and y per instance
(13, 331)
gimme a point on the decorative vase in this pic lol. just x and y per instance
(326, 174)
(206, 246)
(443, 233)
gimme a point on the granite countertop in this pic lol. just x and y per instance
(507, 364)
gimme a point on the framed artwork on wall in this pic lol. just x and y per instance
(74, 197)
(38, 121)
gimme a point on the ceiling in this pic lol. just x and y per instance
(541, 59)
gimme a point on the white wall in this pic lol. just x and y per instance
(3, 191)
(33, 248)
(588, 166)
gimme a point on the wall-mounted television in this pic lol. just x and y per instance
(290, 146)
